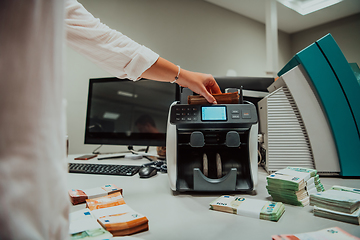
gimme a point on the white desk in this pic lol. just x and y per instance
(187, 216)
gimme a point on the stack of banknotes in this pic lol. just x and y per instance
(83, 225)
(249, 207)
(78, 196)
(293, 185)
(338, 203)
(116, 216)
(333, 233)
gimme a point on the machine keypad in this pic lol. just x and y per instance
(188, 114)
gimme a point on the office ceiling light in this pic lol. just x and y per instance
(110, 115)
(308, 6)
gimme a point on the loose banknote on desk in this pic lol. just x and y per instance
(116, 216)
(333, 233)
(78, 196)
(293, 185)
(338, 203)
(249, 207)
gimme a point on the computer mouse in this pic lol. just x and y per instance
(147, 171)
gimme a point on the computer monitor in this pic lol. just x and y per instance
(124, 112)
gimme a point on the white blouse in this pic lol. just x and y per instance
(113, 51)
(33, 165)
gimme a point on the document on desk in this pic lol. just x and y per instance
(249, 207)
(333, 233)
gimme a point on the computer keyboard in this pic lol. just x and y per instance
(107, 169)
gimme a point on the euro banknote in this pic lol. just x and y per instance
(249, 207)
(333, 233)
(116, 216)
(78, 196)
(337, 198)
(339, 216)
(110, 200)
(83, 225)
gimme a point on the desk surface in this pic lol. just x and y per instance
(187, 216)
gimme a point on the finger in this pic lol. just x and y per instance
(215, 89)
(208, 97)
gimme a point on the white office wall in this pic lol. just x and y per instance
(194, 34)
(345, 31)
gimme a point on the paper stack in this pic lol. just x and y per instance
(116, 216)
(338, 203)
(293, 185)
(249, 207)
(80, 195)
(333, 233)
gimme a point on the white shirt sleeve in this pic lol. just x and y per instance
(110, 49)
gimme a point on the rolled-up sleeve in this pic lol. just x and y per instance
(111, 50)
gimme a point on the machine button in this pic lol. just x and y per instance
(182, 119)
(245, 114)
(235, 111)
(195, 119)
(235, 116)
(177, 119)
(189, 119)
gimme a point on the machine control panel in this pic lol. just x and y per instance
(213, 114)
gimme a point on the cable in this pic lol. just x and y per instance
(94, 152)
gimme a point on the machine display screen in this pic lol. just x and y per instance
(213, 113)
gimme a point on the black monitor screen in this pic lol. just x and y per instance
(124, 112)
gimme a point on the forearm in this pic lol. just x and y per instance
(165, 71)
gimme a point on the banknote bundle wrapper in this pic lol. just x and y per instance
(339, 203)
(333, 233)
(249, 207)
(293, 185)
(116, 216)
(78, 196)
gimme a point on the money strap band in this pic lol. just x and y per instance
(177, 76)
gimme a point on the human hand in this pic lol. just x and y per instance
(200, 83)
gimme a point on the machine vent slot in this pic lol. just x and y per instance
(287, 140)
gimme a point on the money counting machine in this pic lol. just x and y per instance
(212, 148)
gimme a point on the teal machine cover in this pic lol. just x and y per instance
(338, 92)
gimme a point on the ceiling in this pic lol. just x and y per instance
(290, 21)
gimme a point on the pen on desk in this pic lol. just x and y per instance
(103, 158)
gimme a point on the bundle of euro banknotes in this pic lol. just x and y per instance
(338, 203)
(333, 233)
(83, 225)
(293, 185)
(249, 207)
(105, 216)
(78, 196)
(116, 216)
